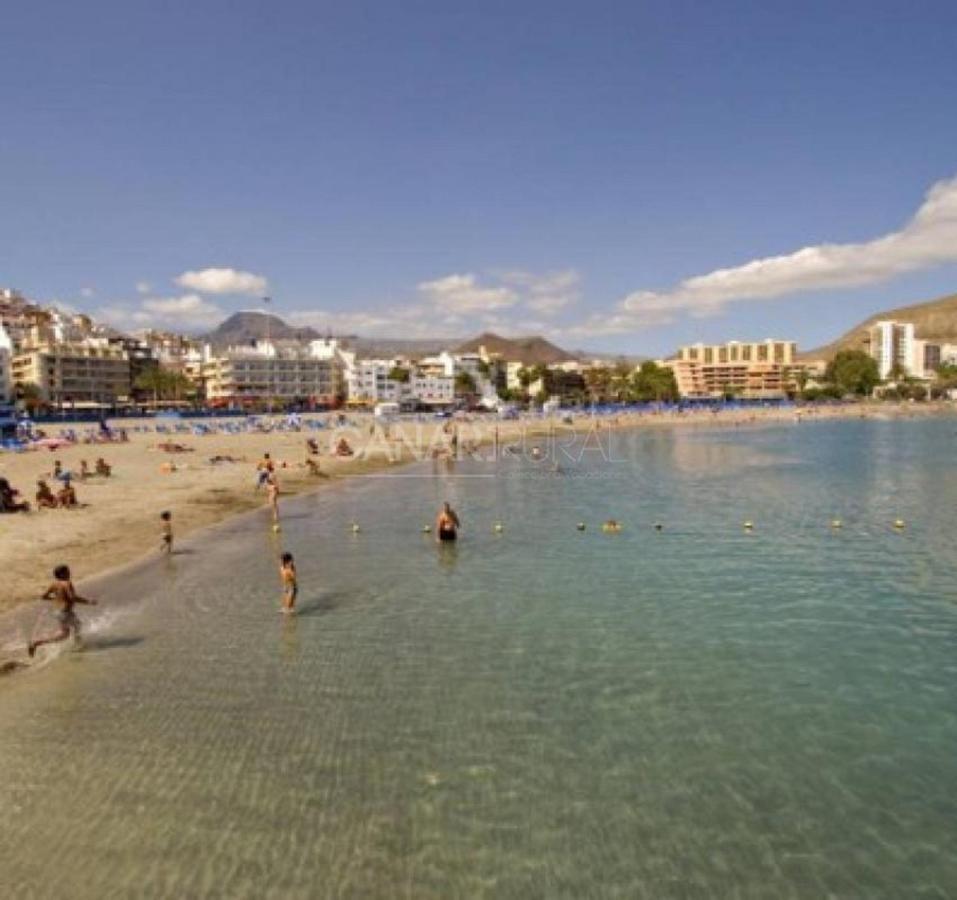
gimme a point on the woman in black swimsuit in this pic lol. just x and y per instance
(447, 524)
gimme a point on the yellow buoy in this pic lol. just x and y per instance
(426, 529)
(355, 528)
(836, 523)
(276, 528)
(748, 526)
(898, 523)
(498, 528)
(611, 526)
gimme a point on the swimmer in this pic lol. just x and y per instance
(447, 524)
(290, 585)
(166, 533)
(64, 595)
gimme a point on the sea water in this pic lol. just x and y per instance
(697, 711)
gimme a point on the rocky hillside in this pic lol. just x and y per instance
(245, 327)
(935, 320)
(531, 351)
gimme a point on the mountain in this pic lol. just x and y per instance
(935, 320)
(245, 327)
(386, 348)
(530, 351)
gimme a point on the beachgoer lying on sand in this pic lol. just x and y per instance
(312, 445)
(10, 501)
(103, 468)
(64, 595)
(313, 467)
(173, 447)
(223, 458)
(46, 499)
(343, 448)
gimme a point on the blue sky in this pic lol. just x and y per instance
(429, 168)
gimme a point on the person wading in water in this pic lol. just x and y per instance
(447, 524)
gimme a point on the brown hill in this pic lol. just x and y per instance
(935, 320)
(530, 351)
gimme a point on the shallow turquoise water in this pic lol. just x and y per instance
(697, 712)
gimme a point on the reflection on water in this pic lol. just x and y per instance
(695, 712)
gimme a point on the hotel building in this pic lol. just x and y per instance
(893, 344)
(91, 372)
(753, 371)
(262, 372)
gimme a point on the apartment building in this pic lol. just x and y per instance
(292, 375)
(91, 372)
(6, 367)
(750, 370)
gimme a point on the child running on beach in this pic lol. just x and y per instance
(64, 595)
(290, 586)
(166, 537)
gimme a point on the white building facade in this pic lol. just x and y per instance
(6, 367)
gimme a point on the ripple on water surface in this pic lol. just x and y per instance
(693, 712)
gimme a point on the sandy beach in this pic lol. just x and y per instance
(118, 519)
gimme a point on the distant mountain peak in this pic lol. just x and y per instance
(250, 325)
(530, 351)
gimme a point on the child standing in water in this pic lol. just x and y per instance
(166, 538)
(64, 595)
(290, 586)
(272, 496)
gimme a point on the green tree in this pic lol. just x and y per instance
(464, 383)
(897, 373)
(30, 395)
(400, 374)
(598, 381)
(853, 372)
(653, 383)
(164, 384)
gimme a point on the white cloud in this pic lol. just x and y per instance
(463, 294)
(548, 293)
(400, 322)
(928, 239)
(143, 287)
(188, 313)
(223, 281)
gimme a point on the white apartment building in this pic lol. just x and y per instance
(263, 372)
(368, 382)
(6, 367)
(892, 343)
(432, 390)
